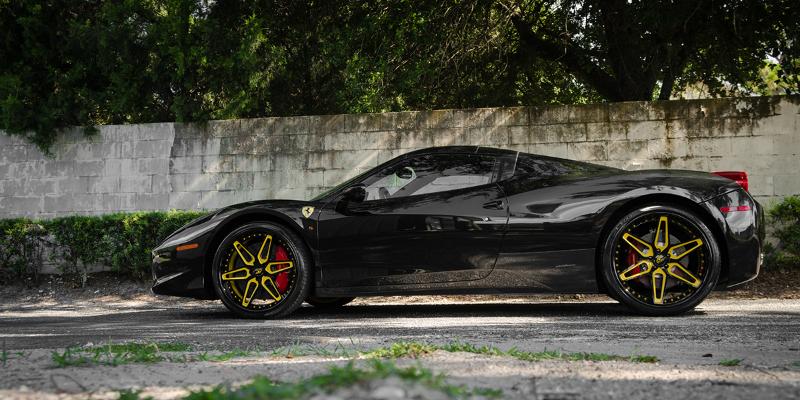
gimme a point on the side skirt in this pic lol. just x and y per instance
(563, 271)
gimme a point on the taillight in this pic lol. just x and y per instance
(730, 209)
(739, 177)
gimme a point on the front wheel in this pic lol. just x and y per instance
(660, 260)
(261, 270)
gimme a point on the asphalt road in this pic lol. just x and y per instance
(761, 332)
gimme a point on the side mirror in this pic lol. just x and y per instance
(404, 173)
(355, 194)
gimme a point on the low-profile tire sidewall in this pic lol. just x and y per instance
(610, 275)
(298, 248)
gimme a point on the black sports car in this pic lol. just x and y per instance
(467, 220)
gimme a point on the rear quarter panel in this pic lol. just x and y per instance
(555, 224)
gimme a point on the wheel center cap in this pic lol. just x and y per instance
(660, 259)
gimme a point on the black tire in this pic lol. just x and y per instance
(614, 296)
(242, 291)
(627, 271)
(328, 302)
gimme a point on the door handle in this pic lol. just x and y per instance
(494, 205)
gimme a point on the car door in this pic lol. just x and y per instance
(426, 218)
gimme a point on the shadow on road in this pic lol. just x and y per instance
(479, 310)
(210, 324)
(216, 311)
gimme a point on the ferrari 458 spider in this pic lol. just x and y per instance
(475, 220)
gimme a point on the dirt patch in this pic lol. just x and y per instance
(775, 284)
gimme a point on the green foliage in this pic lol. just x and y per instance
(6, 356)
(640, 50)
(116, 354)
(127, 353)
(131, 395)
(339, 377)
(122, 241)
(785, 219)
(403, 349)
(20, 251)
(733, 362)
(84, 63)
(133, 236)
(323, 350)
(80, 239)
(91, 62)
(416, 349)
(645, 359)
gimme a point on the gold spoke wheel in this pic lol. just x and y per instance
(660, 259)
(258, 270)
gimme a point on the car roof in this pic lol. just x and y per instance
(463, 149)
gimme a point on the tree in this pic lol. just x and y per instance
(445, 54)
(89, 62)
(638, 50)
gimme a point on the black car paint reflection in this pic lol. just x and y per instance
(534, 227)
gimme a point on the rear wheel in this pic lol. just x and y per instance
(660, 260)
(328, 302)
(261, 271)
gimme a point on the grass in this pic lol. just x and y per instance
(117, 354)
(5, 355)
(131, 395)
(228, 355)
(402, 349)
(128, 353)
(339, 377)
(730, 362)
(416, 349)
(299, 350)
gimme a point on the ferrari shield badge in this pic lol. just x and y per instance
(307, 211)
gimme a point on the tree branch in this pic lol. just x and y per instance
(570, 56)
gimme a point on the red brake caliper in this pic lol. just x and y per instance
(282, 279)
(631, 257)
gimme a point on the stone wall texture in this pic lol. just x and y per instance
(204, 166)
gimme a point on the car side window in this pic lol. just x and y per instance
(531, 166)
(546, 167)
(430, 173)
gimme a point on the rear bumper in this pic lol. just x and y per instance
(743, 233)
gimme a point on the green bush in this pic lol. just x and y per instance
(785, 218)
(20, 251)
(79, 244)
(121, 241)
(133, 236)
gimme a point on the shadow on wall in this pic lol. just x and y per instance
(213, 164)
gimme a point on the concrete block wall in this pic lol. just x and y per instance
(121, 169)
(210, 165)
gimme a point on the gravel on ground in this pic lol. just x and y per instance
(739, 325)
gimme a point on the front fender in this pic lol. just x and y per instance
(187, 272)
